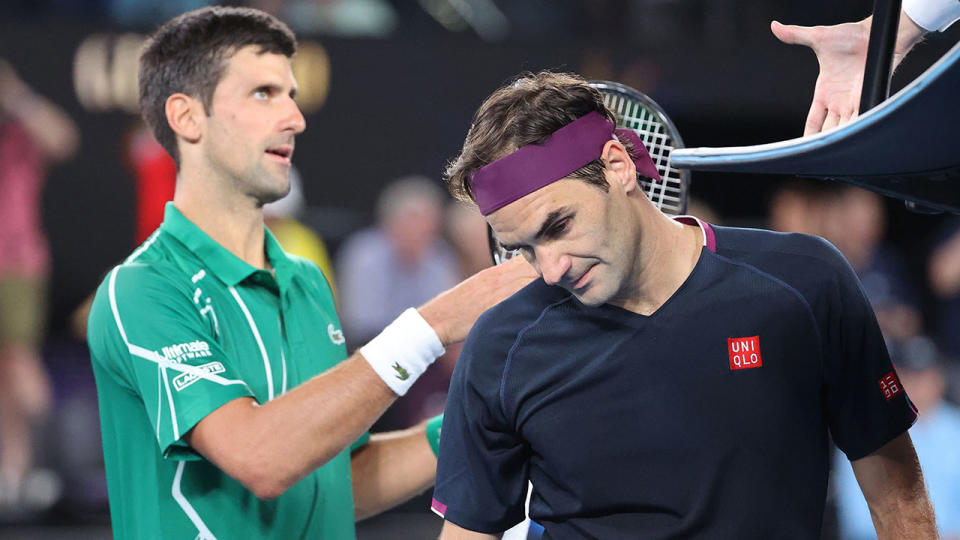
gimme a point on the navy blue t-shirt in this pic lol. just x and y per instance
(708, 418)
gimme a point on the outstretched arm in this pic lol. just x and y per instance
(390, 469)
(842, 53)
(269, 447)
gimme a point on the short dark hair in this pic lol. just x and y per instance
(526, 111)
(188, 54)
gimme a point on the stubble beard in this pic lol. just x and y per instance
(264, 186)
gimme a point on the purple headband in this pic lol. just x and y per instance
(563, 152)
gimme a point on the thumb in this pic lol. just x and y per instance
(792, 34)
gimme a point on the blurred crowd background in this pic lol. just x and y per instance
(388, 88)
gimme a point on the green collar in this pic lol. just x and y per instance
(229, 268)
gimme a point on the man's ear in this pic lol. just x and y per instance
(186, 116)
(619, 165)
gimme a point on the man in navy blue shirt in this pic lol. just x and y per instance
(665, 378)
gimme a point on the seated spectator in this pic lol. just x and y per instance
(854, 220)
(401, 261)
(944, 274)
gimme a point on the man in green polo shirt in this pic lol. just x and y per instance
(229, 406)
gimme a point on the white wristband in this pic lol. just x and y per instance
(932, 15)
(403, 351)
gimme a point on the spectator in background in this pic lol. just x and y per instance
(155, 174)
(797, 206)
(33, 133)
(406, 240)
(936, 437)
(467, 234)
(944, 275)
(854, 220)
(401, 261)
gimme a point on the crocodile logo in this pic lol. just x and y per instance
(402, 374)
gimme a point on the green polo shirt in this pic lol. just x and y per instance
(179, 329)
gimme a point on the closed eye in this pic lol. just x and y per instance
(557, 229)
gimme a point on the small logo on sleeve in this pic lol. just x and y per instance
(186, 379)
(335, 334)
(192, 350)
(744, 352)
(890, 386)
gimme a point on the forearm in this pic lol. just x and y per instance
(892, 484)
(270, 447)
(908, 516)
(390, 469)
(908, 34)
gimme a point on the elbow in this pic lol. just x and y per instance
(264, 479)
(265, 487)
(267, 491)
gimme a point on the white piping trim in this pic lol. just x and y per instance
(283, 361)
(159, 401)
(256, 334)
(173, 410)
(152, 356)
(187, 508)
(143, 247)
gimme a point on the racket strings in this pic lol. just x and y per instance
(669, 194)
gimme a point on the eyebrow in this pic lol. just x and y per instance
(548, 223)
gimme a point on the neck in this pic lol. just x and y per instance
(231, 219)
(668, 252)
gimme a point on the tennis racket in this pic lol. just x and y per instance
(636, 111)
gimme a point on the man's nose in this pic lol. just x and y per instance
(553, 265)
(294, 119)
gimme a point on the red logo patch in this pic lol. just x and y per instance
(744, 352)
(890, 386)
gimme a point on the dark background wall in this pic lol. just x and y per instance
(402, 105)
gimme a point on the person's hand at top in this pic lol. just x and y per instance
(842, 54)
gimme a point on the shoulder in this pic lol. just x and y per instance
(140, 281)
(754, 244)
(499, 328)
(800, 260)
(139, 291)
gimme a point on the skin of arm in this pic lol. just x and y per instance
(47, 124)
(452, 531)
(892, 484)
(842, 54)
(390, 469)
(270, 447)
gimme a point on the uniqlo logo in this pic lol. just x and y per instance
(744, 352)
(890, 386)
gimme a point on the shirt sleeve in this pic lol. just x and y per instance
(932, 15)
(866, 405)
(482, 465)
(151, 339)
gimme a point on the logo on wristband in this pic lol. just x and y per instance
(402, 374)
